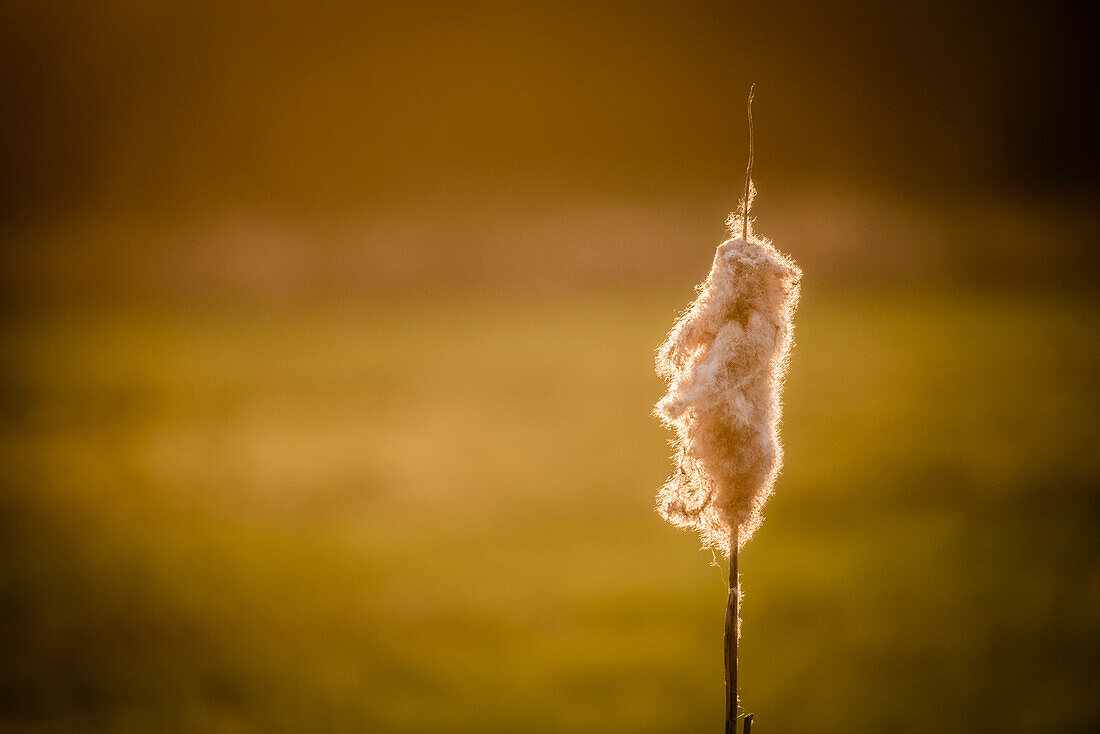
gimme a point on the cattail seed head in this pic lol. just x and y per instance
(724, 362)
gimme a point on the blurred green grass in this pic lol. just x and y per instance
(437, 516)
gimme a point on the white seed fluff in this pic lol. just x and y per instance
(725, 361)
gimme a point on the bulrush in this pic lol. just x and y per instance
(725, 361)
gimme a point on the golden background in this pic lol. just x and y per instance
(327, 365)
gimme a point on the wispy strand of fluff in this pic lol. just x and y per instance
(725, 361)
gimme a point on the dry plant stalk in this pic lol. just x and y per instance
(725, 361)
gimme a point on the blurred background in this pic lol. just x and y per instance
(327, 336)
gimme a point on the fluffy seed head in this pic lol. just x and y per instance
(724, 361)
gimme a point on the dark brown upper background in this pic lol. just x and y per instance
(279, 149)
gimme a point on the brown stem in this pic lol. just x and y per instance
(748, 171)
(731, 638)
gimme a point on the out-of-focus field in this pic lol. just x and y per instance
(437, 516)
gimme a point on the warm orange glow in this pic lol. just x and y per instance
(327, 365)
